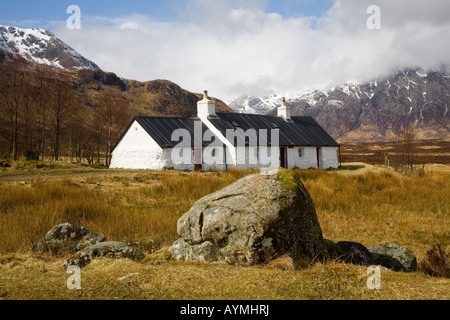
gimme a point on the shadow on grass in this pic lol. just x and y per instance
(351, 167)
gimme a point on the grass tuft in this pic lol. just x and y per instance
(437, 263)
(284, 263)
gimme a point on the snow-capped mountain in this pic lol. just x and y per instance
(256, 105)
(41, 46)
(374, 110)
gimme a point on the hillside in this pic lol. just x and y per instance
(150, 98)
(157, 97)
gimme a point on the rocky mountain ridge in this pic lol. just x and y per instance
(371, 111)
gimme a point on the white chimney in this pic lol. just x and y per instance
(284, 111)
(206, 107)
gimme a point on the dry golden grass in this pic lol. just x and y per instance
(369, 208)
(42, 278)
(373, 208)
(124, 207)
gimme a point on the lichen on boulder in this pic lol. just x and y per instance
(394, 257)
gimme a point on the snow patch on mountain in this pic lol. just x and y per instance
(41, 46)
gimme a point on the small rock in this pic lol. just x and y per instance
(66, 238)
(394, 257)
(127, 276)
(110, 249)
(355, 253)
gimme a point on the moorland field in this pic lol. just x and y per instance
(362, 201)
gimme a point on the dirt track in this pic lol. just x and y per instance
(27, 177)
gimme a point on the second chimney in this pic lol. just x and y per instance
(284, 111)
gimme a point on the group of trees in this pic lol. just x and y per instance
(43, 116)
(406, 157)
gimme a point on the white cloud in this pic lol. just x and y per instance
(234, 47)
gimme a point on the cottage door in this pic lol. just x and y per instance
(319, 154)
(198, 159)
(283, 162)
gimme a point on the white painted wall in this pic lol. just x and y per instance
(169, 155)
(330, 157)
(252, 157)
(137, 150)
(307, 160)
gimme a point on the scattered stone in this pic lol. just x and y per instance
(355, 253)
(394, 257)
(110, 249)
(66, 238)
(127, 276)
(257, 218)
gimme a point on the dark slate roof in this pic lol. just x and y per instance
(300, 131)
(161, 129)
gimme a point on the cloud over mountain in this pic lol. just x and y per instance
(234, 47)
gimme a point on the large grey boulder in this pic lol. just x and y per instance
(67, 238)
(110, 249)
(257, 218)
(394, 257)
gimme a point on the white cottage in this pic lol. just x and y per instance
(221, 140)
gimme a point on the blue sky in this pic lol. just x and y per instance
(49, 13)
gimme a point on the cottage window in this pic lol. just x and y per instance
(300, 153)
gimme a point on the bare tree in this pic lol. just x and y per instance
(42, 115)
(41, 96)
(62, 107)
(113, 115)
(13, 78)
(406, 152)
